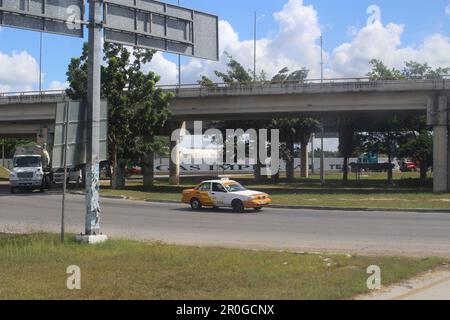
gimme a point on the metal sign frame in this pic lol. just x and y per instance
(71, 118)
(151, 28)
(42, 21)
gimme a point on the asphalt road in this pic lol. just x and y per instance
(393, 233)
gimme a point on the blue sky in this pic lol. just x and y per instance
(338, 21)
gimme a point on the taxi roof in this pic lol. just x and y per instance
(219, 181)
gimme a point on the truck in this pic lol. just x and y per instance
(30, 169)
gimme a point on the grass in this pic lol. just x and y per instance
(370, 192)
(34, 267)
(4, 174)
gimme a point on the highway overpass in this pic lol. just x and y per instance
(23, 113)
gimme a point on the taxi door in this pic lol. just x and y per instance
(204, 194)
(218, 194)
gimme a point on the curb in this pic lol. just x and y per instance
(293, 207)
(319, 208)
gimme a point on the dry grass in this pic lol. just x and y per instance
(34, 267)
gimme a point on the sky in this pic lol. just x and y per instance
(288, 35)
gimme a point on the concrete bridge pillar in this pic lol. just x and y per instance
(438, 118)
(174, 155)
(42, 136)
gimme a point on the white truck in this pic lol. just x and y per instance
(31, 169)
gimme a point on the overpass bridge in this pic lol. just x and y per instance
(33, 113)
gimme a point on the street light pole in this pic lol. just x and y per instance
(254, 49)
(254, 43)
(40, 62)
(322, 156)
(321, 59)
(179, 65)
(92, 226)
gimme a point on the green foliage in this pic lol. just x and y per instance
(206, 82)
(284, 75)
(415, 70)
(381, 72)
(418, 148)
(412, 70)
(11, 144)
(136, 108)
(236, 73)
(384, 136)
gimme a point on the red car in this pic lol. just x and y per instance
(136, 170)
(408, 166)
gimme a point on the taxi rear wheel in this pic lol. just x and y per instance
(196, 204)
(238, 206)
(257, 209)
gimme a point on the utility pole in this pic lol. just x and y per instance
(322, 156)
(254, 50)
(179, 65)
(254, 44)
(3, 153)
(40, 62)
(321, 59)
(92, 226)
(66, 130)
(313, 168)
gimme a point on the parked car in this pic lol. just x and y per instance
(73, 175)
(408, 166)
(225, 193)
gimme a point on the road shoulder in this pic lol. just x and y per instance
(432, 285)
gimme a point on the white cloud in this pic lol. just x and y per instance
(165, 68)
(19, 71)
(384, 43)
(58, 85)
(295, 44)
(447, 10)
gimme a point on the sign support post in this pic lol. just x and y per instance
(92, 225)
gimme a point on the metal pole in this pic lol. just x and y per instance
(321, 59)
(218, 159)
(179, 64)
(3, 153)
(313, 168)
(254, 50)
(66, 129)
(92, 226)
(40, 63)
(322, 157)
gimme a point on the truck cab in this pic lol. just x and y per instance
(28, 172)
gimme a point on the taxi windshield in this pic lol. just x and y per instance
(233, 187)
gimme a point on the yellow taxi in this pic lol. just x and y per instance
(225, 193)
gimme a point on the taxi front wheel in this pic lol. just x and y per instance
(196, 204)
(238, 206)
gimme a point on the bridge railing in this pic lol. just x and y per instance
(310, 83)
(345, 83)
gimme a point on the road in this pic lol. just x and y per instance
(371, 233)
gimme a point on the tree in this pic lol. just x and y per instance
(385, 136)
(150, 107)
(349, 142)
(206, 82)
(411, 70)
(418, 145)
(235, 73)
(295, 130)
(381, 72)
(415, 70)
(284, 75)
(135, 107)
